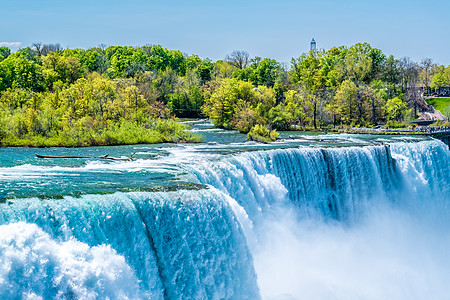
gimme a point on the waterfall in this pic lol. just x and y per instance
(338, 183)
(181, 245)
(345, 223)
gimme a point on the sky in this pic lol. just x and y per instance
(279, 29)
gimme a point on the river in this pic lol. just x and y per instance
(311, 216)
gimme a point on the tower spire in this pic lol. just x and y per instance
(313, 45)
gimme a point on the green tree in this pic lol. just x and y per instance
(294, 106)
(20, 71)
(204, 70)
(346, 102)
(358, 63)
(262, 134)
(56, 67)
(126, 61)
(439, 81)
(447, 75)
(95, 60)
(4, 53)
(167, 82)
(244, 117)
(221, 70)
(15, 98)
(396, 109)
(308, 72)
(221, 104)
(260, 72)
(390, 74)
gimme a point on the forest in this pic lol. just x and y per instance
(50, 96)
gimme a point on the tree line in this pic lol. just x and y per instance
(122, 94)
(100, 96)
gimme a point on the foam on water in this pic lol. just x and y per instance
(181, 245)
(392, 254)
(301, 223)
(344, 223)
(35, 266)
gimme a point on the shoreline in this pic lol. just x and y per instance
(442, 132)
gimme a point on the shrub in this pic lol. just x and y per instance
(440, 123)
(262, 134)
(393, 124)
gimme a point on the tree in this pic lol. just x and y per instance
(222, 69)
(4, 53)
(204, 70)
(378, 96)
(187, 101)
(95, 60)
(47, 48)
(294, 105)
(260, 72)
(192, 62)
(15, 98)
(409, 73)
(439, 81)
(378, 59)
(20, 71)
(391, 74)
(165, 84)
(221, 105)
(177, 61)
(56, 67)
(244, 117)
(126, 61)
(238, 59)
(44, 49)
(358, 63)
(426, 65)
(346, 102)
(447, 74)
(38, 47)
(307, 72)
(396, 109)
(266, 72)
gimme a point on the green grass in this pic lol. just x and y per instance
(120, 133)
(441, 104)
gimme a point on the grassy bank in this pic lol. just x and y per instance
(123, 133)
(441, 104)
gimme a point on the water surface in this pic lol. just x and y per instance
(313, 216)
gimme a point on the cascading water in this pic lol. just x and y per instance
(181, 245)
(344, 223)
(337, 182)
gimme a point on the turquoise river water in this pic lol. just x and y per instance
(311, 216)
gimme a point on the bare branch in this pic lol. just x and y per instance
(238, 59)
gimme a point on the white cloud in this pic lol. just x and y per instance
(10, 44)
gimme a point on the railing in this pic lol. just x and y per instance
(434, 130)
(419, 129)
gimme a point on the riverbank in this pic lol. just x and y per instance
(125, 133)
(397, 131)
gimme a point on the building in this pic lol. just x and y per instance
(313, 45)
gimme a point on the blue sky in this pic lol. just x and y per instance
(279, 29)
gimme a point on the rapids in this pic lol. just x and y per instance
(318, 217)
